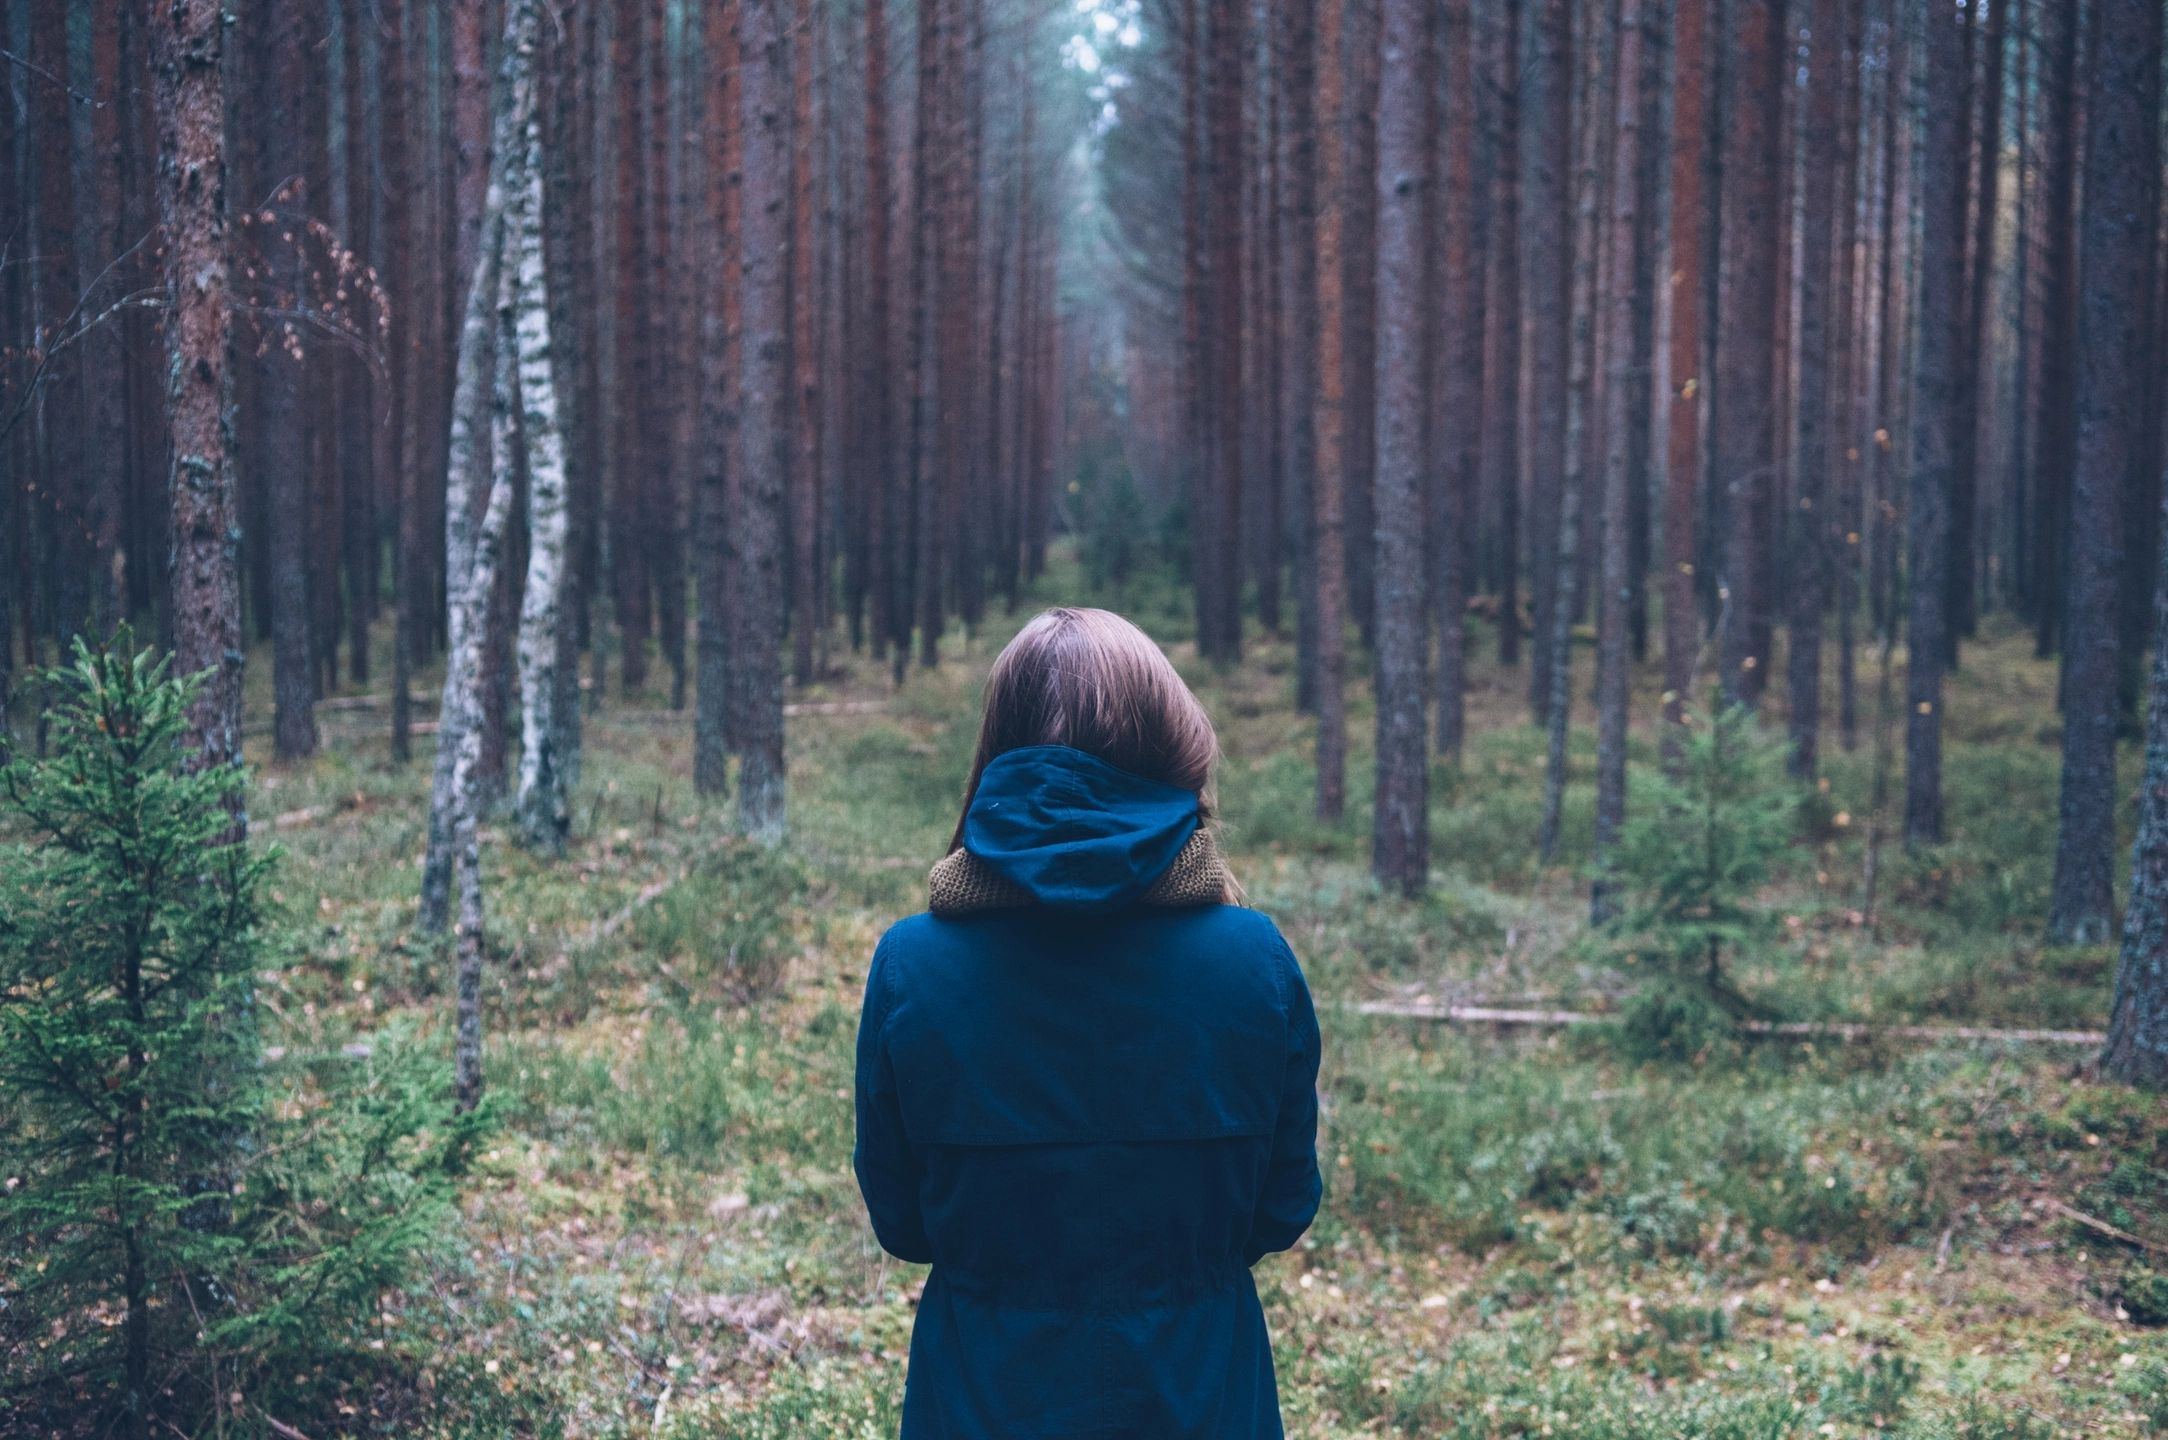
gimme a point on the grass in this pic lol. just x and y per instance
(1523, 1234)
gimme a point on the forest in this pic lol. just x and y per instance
(506, 507)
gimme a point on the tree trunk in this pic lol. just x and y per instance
(484, 478)
(400, 457)
(2118, 226)
(474, 492)
(1741, 424)
(712, 500)
(1328, 560)
(2137, 1049)
(1400, 838)
(805, 577)
(1583, 186)
(763, 433)
(1298, 372)
(1549, 244)
(1808, 526)
(281, 427)
(1934, 419)
(186, 44)
(1621, 361)
(1683, 409)
(2056, 423)
(544, 816)
(1502, 358)
(1457, 370)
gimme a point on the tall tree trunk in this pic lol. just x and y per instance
(1742, 434)
(2137, 1048)
(805, 577)
(2056, 423)
(477, 481)
(1584, 187)
(282, 424)
(2118, 227)
(1683, 408)
(1400, 839)
(1548, 237)
(712, 501)
(400, 456)
(1977, 373)
(544, 816)
(928, 189)
(1502, 356)
(1934, 420)
(187, 40)
(482, 477)
(1359, 111)
(1621, 361)
(764, 357)
(1457, 369)
(1225, 169)
(1808, 515)
(1299, 139)
(1328, 560)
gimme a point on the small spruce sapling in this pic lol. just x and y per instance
(1690, 861)
(182, 1221)
(127, 1066)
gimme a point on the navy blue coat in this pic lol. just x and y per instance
(1091, 1116)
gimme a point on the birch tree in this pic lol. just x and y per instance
(543, 814)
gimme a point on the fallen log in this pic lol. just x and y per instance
(1781, 1030)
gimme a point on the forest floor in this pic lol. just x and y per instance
(1524, 1232)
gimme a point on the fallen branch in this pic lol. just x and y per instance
(1783, 1030)
(2095, 1223)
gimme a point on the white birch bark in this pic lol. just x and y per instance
(467, 751)
(479, 485)
(470, 464)
(543, 813)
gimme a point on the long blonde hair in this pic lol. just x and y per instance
(1091, 680)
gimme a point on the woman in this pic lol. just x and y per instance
(1087, 1077)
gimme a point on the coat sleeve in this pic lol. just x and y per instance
(1293, 1187)
(888, 1171)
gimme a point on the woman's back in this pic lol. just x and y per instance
(1086, 1096)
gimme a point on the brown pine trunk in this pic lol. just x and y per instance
(1684, 405)
(1359, 43)
(1457, 369)
(1621, 362)
(2118, 231)
(1400, 837)
(1809, 544)
(1934, 421)
(1977, 373)
(1299, 369)
(282, 423)
(2056, 409)
(1742, 437)
(1502, 354)
(1328, 561)
(763, 431)
(1549, 244)
(398, 458)
(713, 511)
(805, 578)
(631, 354)
(205, 599)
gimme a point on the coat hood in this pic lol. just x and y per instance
(1074, 832)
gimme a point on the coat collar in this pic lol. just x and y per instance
(963, 884)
